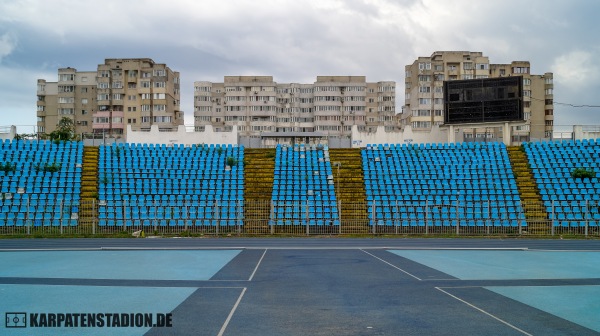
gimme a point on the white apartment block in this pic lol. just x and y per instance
(267, 113)
(121, 92)
(424, 96)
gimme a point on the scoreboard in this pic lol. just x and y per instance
(483, 100)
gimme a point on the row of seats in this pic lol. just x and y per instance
(303, 177)
(440, 174)
(163, 183)
(552, 164)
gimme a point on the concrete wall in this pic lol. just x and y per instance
(436, 135)
(8, 132)
(182, 136)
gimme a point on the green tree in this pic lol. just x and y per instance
(65, 130)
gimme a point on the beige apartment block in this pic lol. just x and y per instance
(121, 92)
(269, 112)
(424, 95)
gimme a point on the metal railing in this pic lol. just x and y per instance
(453, 218)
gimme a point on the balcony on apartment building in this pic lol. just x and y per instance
(108, 120)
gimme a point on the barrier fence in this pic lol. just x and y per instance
(380, 217)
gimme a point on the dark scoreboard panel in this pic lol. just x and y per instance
(483, 100)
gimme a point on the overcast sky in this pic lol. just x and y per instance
(295, 41)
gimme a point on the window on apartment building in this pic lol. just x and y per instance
(421, 124)
(102, 85)
(452, 67)
(131, 85)
(83, 123)
(66, 100)
(66, 77)
(526, 93)
(162, 119)
(468, 66)
(467, 76)
(158, 96)
(424, 66)
(83, 112)
(104, 73)
(102, 96)
(159, 72)
(482, 66)
(101, 120)
(145, 84)
(131, 97)
(549, 101)
(84, 101)
(146, 95)
(520, 70)
(439, 67)
(424, 78)
(65, 111)
(84, 90)
(527, 104)
(146, 74)
(526, 115)
(549, 122)
(146, 119)
(41, 108)
(549, 91)
(66, 88)
(549, 112)
(453, 77)
(438, 101)
(159, 107)
(117, 96)
(502, 72)
(425, 89)
(438, 113)
(423, 113)
(131, 108)
(424, 101)
(145, 107)
(438, 77)
(159, 84)
(117, 85)
(526, 81)
(548, 80)
(132, 73)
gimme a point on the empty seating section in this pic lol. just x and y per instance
(45, 186)
(570, 201)
(303, 187)
(465, 184)
(175, 185)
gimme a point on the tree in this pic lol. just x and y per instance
(65, 130)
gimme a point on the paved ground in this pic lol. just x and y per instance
(313, 286)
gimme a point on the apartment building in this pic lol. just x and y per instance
(424, 95)
(287, 112)
(136, 92)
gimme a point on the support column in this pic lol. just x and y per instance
(506, 134)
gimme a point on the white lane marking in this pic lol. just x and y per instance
(258, 264)
(483, 311)
(222, 331)
(394, 266)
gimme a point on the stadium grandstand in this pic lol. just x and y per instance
(487, 188)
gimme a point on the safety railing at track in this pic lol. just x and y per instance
(62, 217)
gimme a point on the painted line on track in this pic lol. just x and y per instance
(222, 331)
(257, 264)
(394, 266)
(484, 312)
